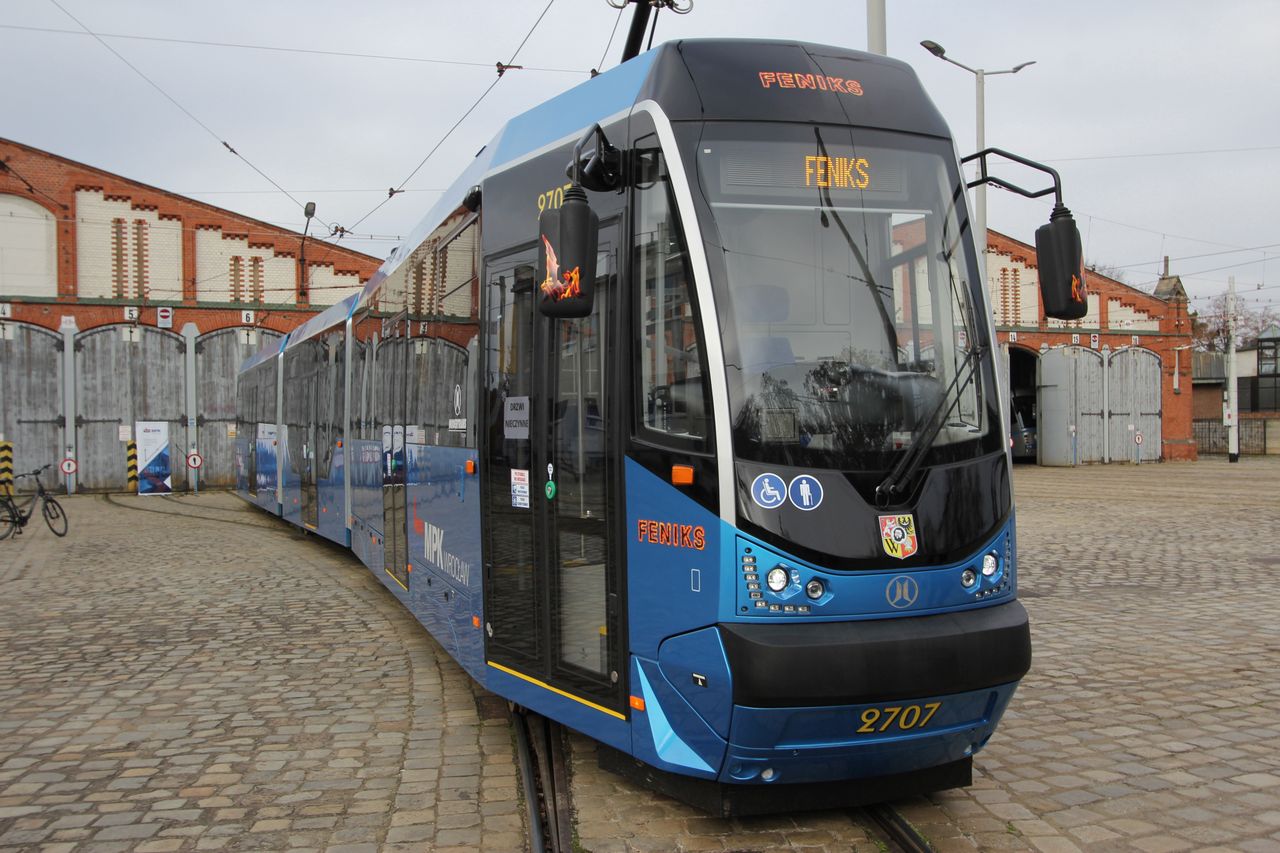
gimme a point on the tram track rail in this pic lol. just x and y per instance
(895, 830)
(542, 752)
(544, 773)
(241, 520)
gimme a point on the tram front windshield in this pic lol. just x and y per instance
(848, 303)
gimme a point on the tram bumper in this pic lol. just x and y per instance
(846, 700)
(796, 745)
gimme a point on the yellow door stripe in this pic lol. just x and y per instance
(556, 690)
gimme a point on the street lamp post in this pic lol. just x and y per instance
(309, 210)
(980, 195)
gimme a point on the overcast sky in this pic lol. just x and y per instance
(1162, 117)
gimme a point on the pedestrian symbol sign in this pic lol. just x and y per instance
(769, 491)
(805, 492)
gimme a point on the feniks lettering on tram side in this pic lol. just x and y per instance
(674, 534)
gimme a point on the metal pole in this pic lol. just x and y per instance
(1233, 404)
(189, 335)
(635, 36)
(877, 40)
(69, 381)
(980, 197)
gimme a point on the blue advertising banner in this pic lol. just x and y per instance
(154, 474)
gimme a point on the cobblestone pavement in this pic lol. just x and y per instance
(160, 696)
(220, 682)
(1150, 719)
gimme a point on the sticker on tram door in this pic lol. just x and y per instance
(898, 535)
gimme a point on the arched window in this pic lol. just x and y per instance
(28, 236)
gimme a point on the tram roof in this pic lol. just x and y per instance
(335, 315)
(267, 353)
(699, 79)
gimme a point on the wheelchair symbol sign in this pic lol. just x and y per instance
(769, 491)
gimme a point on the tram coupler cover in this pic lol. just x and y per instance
(726, 800)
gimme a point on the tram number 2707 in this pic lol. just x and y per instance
(907, 717)
(552, 199)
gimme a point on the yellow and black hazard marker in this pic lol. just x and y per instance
(6, 467)
(133, 466)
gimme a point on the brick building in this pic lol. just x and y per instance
(121, 302)
(82, 242)
(1128, 338)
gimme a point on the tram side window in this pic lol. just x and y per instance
(673, 398)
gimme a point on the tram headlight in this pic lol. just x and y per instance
(968, 578)
(777, 579)
(989, 565)
(814, 589)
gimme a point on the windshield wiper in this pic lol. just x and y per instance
(824, 196)
(894, 485)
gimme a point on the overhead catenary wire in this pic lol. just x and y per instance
(1202, 255)
(233, 228)
(1145, 229)
(502, 66)
(7, 168)
(175, 102)
(1142, 154)
(282, 49)
(609, 43)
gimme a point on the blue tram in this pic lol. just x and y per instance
(701, 452)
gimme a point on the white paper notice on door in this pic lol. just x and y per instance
(515, 418)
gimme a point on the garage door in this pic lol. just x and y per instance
(1133, 405)
(1070, 425)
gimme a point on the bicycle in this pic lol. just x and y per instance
(14, 516)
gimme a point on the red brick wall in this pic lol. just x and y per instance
(1174, 332)
(50, 314)
(56, 180)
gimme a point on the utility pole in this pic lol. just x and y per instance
(877, 38)
(1233, 409)
(980, 193)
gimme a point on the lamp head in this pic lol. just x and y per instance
(1023, 65)
(309, 210)
(934, 48)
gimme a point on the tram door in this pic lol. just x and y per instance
(310, 392)
(553, 573)
(392, 371)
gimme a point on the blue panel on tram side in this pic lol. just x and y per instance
(675, 584)
(331, 524)
(242, 467)
(669, 733)
(266, 468)
(444, 544)
(696, 665)
(578, 714)
(291, 485)
(366, 502)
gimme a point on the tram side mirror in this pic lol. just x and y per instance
(523, 279)
(1061, 267)
(1057, 244)
(567, 257)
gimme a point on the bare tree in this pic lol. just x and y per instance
(1209, 328)
(1108, 270)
